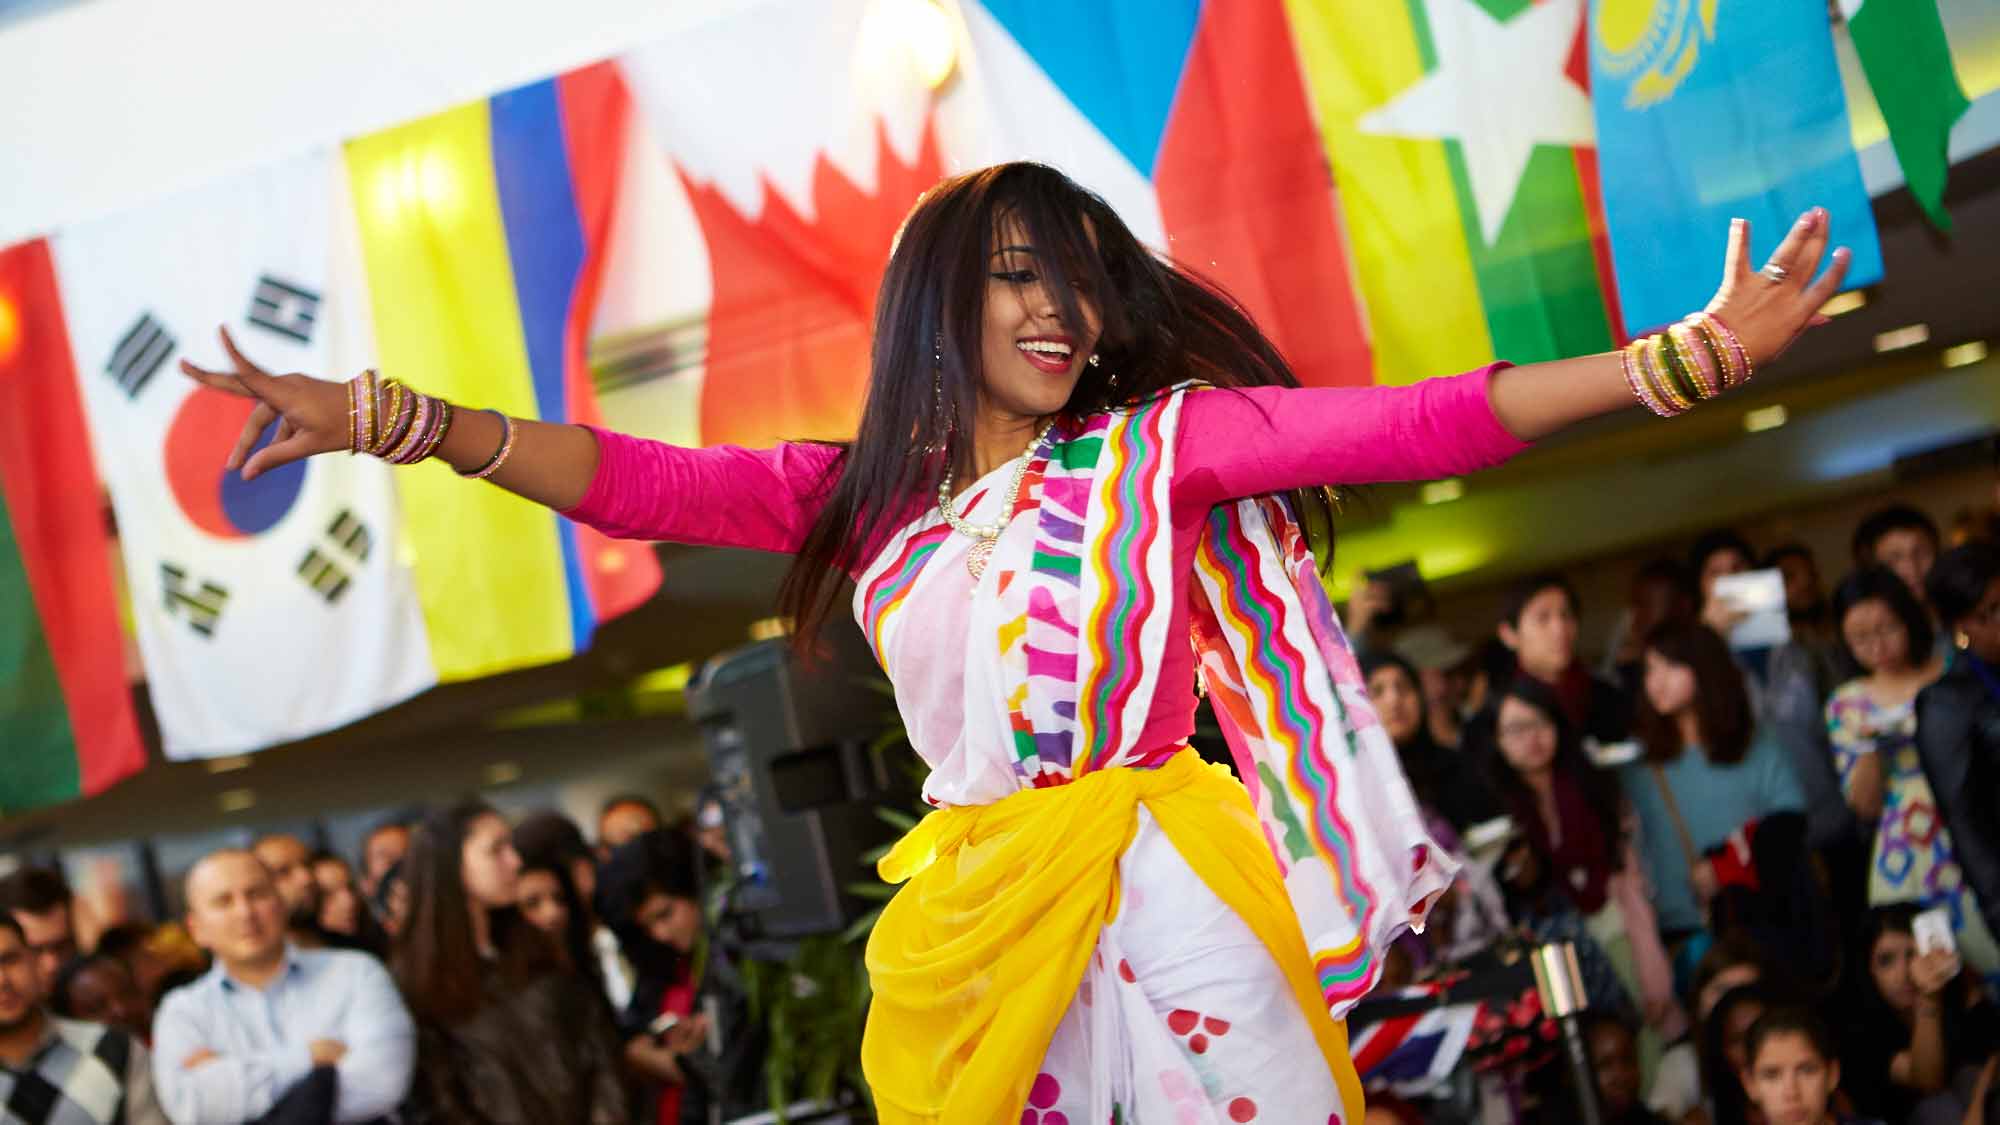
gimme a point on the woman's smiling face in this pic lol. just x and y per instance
(1030, 360)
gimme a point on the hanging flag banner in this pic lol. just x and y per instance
(265, 610)
(66, 716)
(1711, 111)
(1907, 59)
(482, 230)
(1208, 108)
(780, 188)
(1461, 136)
(1395, 190)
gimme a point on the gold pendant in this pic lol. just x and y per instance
(976, 555)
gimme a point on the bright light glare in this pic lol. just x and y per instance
(1443, 491)
(1765, 418)
(932, 40)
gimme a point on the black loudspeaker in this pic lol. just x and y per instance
(788, 742)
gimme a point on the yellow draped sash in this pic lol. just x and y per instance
(976, 959)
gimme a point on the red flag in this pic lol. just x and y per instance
(66, 714)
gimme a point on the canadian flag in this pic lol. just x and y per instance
(760, 201)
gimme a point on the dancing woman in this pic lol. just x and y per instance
(1074, 457)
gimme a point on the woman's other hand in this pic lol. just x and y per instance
(1768, 306)
(312, 414)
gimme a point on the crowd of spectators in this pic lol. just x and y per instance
(460, 968)
(1778, 853)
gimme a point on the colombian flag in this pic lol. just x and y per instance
(484, 230)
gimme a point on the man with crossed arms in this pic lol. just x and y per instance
(271, 1023)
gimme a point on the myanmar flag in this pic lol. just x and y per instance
(1462, 143)
(64, 702)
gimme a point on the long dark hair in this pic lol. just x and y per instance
(1959, 578)
(1894, 918)
(577, 927)
(436, 960)
(1721, 702)
(1161, 324)
(1600, 787)
(1723, 1083)
(1373, 661)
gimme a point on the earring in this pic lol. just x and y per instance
(937, 408)
(1095, 359)
(937, 374)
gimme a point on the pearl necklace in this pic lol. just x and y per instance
(983, 535)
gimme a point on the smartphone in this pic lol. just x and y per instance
(1611, 755)
(1760, 594)
(1408, 596)
(1488, 835)
(1932, 929)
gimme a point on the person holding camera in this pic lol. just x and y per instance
(649, 895)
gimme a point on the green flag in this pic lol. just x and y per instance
(1908, 63)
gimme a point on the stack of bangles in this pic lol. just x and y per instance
(402, 426)
(1697, 359)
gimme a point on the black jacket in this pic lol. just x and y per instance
(1795, 712)
(1958, 738)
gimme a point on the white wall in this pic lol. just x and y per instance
(105, 103)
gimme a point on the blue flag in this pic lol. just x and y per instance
(1713, 109)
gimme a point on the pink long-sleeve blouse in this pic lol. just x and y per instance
(1230, 445)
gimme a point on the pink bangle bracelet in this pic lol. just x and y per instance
(499, 456)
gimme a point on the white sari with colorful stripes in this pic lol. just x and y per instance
(1044, 668)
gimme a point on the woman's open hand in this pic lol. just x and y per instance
(1769, 306)
(312, 414)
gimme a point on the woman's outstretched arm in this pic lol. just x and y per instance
(1766, 308)
(763, 499)
(1265, 439)
(550, 464)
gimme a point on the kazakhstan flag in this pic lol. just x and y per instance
(1708, 110)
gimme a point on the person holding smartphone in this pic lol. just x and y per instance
(1918, 1019)
(648, 894)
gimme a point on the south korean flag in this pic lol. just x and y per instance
(270, 610)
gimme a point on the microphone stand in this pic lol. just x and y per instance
(1559, 981)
